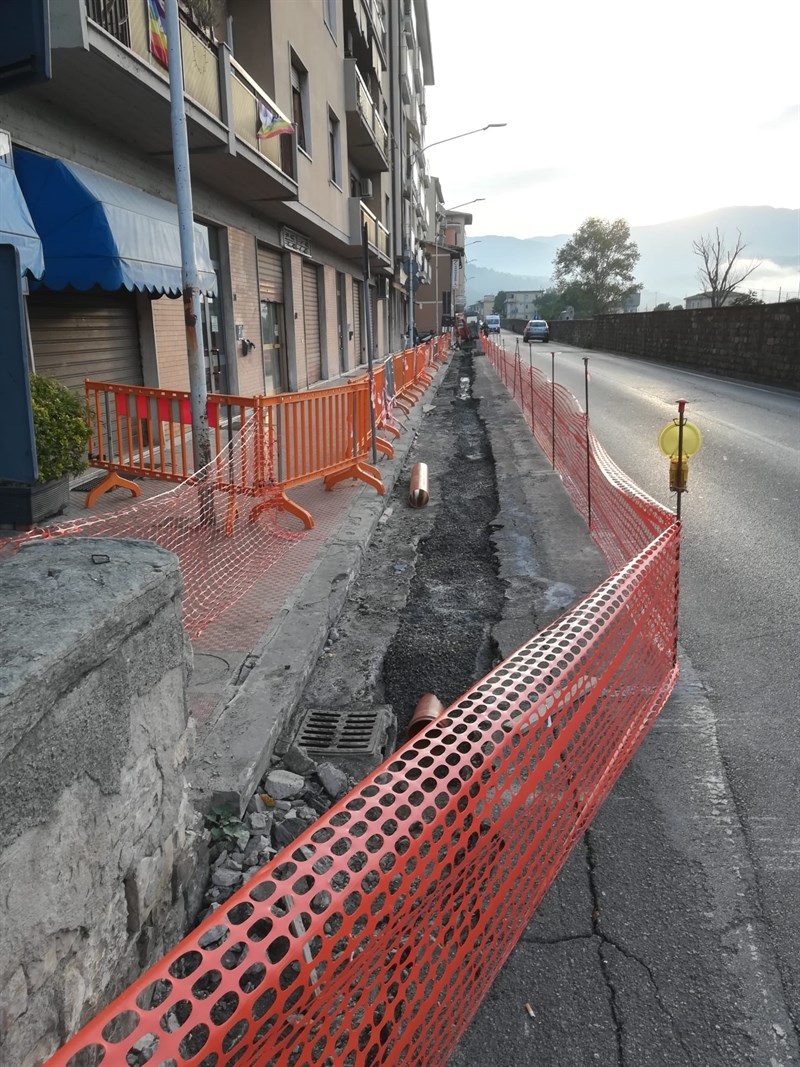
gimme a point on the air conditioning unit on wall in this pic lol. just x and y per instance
(365, 188)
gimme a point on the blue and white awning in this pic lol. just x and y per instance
(97, 231)
(16, 224)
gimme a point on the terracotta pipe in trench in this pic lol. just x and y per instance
(418, 490)
(428, 709)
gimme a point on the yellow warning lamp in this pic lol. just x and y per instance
(679, 440)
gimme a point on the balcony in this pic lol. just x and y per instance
(377, 234)
(407, 79)
(103, 67)
(367, 139)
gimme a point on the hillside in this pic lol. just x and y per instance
(667, 268)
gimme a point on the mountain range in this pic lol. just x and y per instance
(667, 267)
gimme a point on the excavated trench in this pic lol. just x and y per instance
(443, 641)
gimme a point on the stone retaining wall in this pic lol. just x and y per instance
(757, 344)
(99, 855)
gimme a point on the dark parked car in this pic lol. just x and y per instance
(536, 330)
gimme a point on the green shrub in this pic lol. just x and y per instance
(61, 427)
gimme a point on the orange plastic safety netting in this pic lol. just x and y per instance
(373, 937)
(208, 522)
(623, 519)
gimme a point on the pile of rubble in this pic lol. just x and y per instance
(291, 796)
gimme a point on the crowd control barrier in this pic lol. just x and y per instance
(372, 938)
(223, 521)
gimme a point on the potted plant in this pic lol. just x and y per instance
(61, 427)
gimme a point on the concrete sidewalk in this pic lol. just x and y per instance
(252, 663)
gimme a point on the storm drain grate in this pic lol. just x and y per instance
(328, 731)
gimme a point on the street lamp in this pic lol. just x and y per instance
(455, 137)
(477, 200)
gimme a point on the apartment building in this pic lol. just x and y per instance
(443, 292)
(304, 119)
(522, 304)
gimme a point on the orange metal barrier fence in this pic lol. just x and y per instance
(264, 446)
(323, 433)
(373, 937)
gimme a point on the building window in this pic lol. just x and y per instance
(329, 15)
(300, 106)
(334, 150)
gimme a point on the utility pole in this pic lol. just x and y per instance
(201, 442)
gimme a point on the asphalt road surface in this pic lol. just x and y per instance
(740, 607)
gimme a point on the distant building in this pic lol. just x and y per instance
(699, 300)
(487, 305)
(522, 304)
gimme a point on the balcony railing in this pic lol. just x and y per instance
(369, 113)
(205, 73)
(128, 23)
(112, 15)
(377, 233)
(247, 95)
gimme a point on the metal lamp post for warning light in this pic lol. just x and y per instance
(679, 440)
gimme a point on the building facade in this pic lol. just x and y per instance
(304, 122)
(523, 304)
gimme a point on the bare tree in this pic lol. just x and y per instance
(719, 274)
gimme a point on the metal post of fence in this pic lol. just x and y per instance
(681, 422)
(588, 464)
(553, 407)
(516, 359)
(530, 361)
(505, 370)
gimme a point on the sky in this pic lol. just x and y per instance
(618, 109)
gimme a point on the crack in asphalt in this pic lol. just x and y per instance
(603, 941)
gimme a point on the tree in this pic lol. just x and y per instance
(719, 275)
(553, 301)
(746, 299)
(597, 265)
(661, 307)
(499, 305)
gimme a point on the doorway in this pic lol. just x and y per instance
(216, 363)
(275, 370)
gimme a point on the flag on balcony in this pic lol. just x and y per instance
(158, 31)
(270, 124)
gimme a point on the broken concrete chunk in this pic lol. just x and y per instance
(297, 761)
(283, 784)
(333, 779)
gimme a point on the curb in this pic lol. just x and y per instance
(237, 746)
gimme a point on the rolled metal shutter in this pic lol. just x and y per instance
(358, 316)
(311, 322)
(86, 335)
(270, 275)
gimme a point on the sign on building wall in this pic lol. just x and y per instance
(295, 242)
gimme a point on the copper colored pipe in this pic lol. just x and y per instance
(428, 709)
(418, 491)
